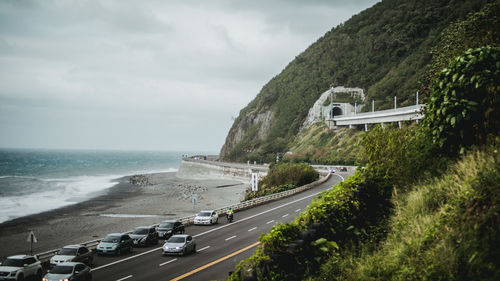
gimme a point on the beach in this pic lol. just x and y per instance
(134, 201)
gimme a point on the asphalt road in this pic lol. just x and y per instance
(219, 247)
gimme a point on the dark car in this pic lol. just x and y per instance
(74, 271)
(144, 235)
(115, 244)
(74, 253)
(169, 227)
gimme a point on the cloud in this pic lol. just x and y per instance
(168, 67)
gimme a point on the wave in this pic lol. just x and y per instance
(25, 195)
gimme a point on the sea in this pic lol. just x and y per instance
(37, 180)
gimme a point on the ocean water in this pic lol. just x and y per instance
(34, 181)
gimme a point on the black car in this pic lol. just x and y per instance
(115, 244)
(170, 227)
(144, 235)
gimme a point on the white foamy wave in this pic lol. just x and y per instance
(128, 216)
(58, 193)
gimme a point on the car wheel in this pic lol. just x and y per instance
(118, 252)
(20, 277)
(39, 274)
(216, 220)
(194, 249)
(130, 249)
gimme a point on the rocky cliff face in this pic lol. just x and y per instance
(260, 122)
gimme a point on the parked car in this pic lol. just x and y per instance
(73, 253)
(20, 267)
(144, 235)
(179, 244)
(115, 244)
(206, 217)
(70, 271)
(169, 227)
(343, 169)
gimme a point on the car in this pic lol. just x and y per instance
(74, 271)
(331, 170)
(20, 267)
(179, 244)
(343, 169)
(73, 253)
(169, 227)
(144, 235)
(115, 244)
(206, 217)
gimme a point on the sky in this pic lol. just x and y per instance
(145, 75)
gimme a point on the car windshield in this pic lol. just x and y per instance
(176, 240)
(111, 239)
(67, 252)
(62, 269)
(141, 231)
(166, 225)
(13, 262)
(204, 214)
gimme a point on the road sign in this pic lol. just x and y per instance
(31, 238)
(255, 182)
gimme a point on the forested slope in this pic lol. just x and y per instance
(384, 49)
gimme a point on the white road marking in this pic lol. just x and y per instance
(252, 229)
(298, 210)
(125, 259)
(217, 228)
(284, 216)
(167, 262)
(271, 221)
(127, 277)
(229, 238)
(204, 248)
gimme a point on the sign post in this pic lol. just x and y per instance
(255, 183)
(32, 239)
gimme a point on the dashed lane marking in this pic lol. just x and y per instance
(252, 229)
(298, 210)
(167, 262)
(229, 238)
(271, 221)
(284, 216)
(127, 277)
(204, 248)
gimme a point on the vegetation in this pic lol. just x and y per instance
(284, 176)
(464, 107)
(414, 212)
(320, 145)
(384, 49)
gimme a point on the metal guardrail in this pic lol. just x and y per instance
(45, 256)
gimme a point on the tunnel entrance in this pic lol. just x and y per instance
(336, 111)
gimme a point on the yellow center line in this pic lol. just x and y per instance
(215, 262)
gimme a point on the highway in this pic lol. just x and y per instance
(219, 247)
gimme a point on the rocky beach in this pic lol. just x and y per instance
(134, 201)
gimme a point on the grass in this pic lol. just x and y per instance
(444, 229)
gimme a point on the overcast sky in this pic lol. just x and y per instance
(145, 75)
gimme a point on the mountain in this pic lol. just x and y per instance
(385, 50)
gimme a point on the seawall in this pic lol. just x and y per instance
(202, 169)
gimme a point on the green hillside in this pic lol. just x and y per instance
(385, 50)
(426, 204)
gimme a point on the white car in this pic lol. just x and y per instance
(206, 217)
(20, 267)
(74, 253)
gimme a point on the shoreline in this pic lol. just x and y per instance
(161, 196)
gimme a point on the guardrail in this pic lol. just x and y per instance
(45, 256)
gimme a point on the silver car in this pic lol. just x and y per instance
(75, 253)
(75, 271)
(179, 244)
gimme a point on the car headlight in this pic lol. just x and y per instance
(45, 279)
(114, 247)
(169, 231)
(13, 273)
